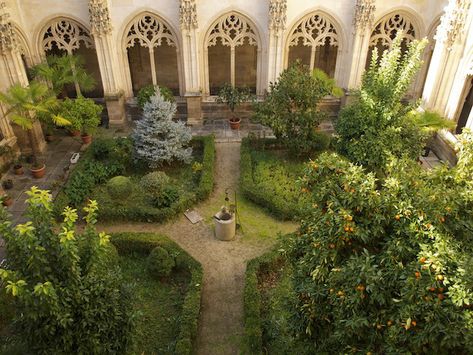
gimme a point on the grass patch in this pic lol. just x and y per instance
(268, 298)
(158, 304)
(269, 177)
(169, 309)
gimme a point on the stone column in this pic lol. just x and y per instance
(362, 23)
(107, 55)
(277, 23)
(13, 71)
(447, 56)
(190, 60)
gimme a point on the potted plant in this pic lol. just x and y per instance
(7, 200)
(18, 168)
(233, 97)
(84, 115)
(25, 104)
(7, 184)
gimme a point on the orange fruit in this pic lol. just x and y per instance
(397, 217)
(422, 260)
(413, 323)
(417, 274)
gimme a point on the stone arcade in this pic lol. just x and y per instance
(194, 46)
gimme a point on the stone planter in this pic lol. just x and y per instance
(225, 226)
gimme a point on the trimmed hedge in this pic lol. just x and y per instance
(206, 183)
(143, 244)
(264, 193)
(253, 342)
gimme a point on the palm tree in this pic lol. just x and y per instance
(61, 71)
(30, 104)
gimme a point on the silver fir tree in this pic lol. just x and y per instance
(157, 138)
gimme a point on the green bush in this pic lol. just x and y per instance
(143, 244)
(66, 287)
(160, 263)
(291, 107)
(119, 187)
(206, 183)
(321, 141)
(380, 265)
(159, 189)
(104, 159)
(146, 92)
(270, 181)
(380, 123)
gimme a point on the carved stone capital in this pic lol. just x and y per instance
(99, 15)
(8, 38)
(364, 14)
(277, 14)
(188, 14)
(452, 23)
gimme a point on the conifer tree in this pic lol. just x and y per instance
(157, 138)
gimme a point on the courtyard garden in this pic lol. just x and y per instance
(344, 243)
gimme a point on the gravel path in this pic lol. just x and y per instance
(224, 263)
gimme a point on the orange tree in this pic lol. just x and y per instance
(383, 266)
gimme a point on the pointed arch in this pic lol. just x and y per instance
(64, 35)
(387, 27)
(316, 40)
(232, 45)
(151, 49)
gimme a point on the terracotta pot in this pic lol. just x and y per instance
(75, 133)
(234, 122)
(86, 138)
(39, 172)
(18, 170)
(8, 201)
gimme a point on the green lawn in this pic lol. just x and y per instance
(269, 178)
(158, 304)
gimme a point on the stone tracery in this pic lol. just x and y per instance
(66, 35)
(386, 30)
(317, 32)
(232, 30)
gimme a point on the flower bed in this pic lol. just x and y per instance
(108, 158)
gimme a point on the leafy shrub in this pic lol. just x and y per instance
(138, 207)
(380, 124)
(159, 189)
(290, 108)
(143, 243)
(84, 114)
(160, 263)
(321, 141)
(119, 187)
(379, 266)
(64, 283)
(113, 158)
(145, 93)
(157, 138)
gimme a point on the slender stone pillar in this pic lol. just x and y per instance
(362, 23)
(13, 70)
(101, 29)
(190, 59)
(277, 23)
(446, 57)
